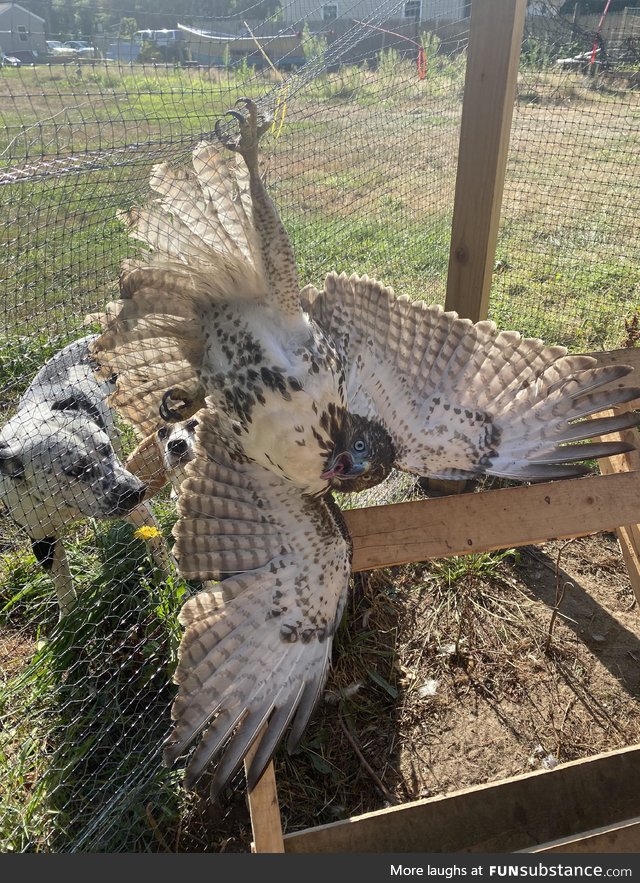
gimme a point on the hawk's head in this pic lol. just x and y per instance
(363, 455)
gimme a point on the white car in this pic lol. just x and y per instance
(76, 49)
(9, 60)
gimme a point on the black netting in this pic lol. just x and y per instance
(361, 161)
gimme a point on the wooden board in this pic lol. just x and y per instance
(495, 37)
(628, 535)
(620, 837)
(510, 815)
(500, 519)
(264, 809)
(630, 356)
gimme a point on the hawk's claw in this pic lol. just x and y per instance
(169, 414)
(251, 126)
(236, 115)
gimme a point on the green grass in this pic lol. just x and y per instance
(84, 714)
(397, 253)
(563, 299)
(85, 717)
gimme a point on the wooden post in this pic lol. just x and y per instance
(264, 809)
(629, 534)
(495, 39)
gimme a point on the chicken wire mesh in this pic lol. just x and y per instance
(361, 162)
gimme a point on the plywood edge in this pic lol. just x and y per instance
(513, 814)
(620, 837)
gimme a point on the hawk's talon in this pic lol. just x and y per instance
(220, 135)
(237, 116)
(252, 126)
(167, 413)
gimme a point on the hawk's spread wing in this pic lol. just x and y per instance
(462, 399)
(257, 648)
(203, 247)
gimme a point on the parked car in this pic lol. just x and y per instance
(28, 56)
(76, 49)
(9, 60)
(52, 44)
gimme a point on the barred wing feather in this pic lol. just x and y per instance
(462, 399)
(256, 648)
(202, 249)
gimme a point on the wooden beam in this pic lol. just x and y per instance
(510, 815)
(629, 534)
(620, 837)
(264, 809)
(495, 38)
(624, 356)
(500, 519)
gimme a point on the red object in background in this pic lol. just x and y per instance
(422, 63)
(596, 42)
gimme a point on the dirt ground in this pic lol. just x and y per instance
(436, 688)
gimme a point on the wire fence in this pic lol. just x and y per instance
(361, 162)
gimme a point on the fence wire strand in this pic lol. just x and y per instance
(363, 172)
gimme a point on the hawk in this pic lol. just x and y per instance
(300, 392)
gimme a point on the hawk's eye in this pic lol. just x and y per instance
(359, 446)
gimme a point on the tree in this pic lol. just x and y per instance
(127, 28)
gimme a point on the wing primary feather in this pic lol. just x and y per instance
(307, 701)
(278, 723)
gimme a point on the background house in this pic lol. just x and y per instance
(21, 29)
(409, 10)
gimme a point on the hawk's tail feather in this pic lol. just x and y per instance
(206, 206)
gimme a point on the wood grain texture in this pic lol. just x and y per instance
(495, 38)
(501, 519)
(514, 814)
(264, 810)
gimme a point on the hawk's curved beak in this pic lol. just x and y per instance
(344, 466)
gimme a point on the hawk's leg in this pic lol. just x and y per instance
(277, 254)
(252, 127)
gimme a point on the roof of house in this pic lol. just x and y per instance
(7, 7)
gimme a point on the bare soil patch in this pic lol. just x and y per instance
(438, 687)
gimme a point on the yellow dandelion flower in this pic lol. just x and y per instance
(146, 533)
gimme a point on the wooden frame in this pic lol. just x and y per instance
(513, 814)
(495, 37)
(521, 813)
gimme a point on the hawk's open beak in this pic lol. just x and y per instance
(344, 466)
